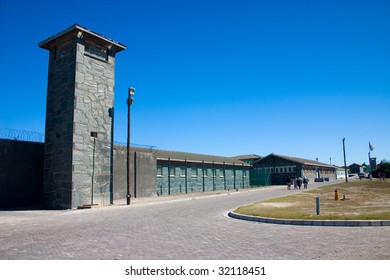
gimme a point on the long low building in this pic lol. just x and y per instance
(278, 168)
(180, 172)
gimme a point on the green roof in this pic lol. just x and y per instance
(300, 160)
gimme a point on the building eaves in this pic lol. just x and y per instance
(245, 157)
(49, 42)
(356, 164)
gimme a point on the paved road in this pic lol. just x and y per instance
(189, 227)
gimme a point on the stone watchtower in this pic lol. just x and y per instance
(78, 135)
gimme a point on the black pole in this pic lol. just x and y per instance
(224, 177)
(345, 162)
(135, 174)
(214, 174)
(111, 113)
(93, 166)
(318, 205)
(186, 174)
(234, 176)
(203, 174)
(243, 179)
(129, 103)
(169, 176)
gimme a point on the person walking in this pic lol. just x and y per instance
(288, 182)
(299, 182)
(305, 182)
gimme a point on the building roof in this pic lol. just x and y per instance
(356, 164)
(198, 158)
(300, 160)
(74, 30)
(246, 157)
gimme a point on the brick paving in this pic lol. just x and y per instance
(180, 227)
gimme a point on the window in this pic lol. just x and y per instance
(96, 51)
(61, 51)
(244, 173)
(289, 169)
(205, 172)
(159, 171)
(220, 171)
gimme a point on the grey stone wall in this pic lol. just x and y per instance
(94, 96)
(142, 173)
(21, 173)
(57, 187)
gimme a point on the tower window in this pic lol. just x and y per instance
(96, 51)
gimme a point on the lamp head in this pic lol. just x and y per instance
(131, 92)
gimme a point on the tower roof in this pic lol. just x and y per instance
(77, 30)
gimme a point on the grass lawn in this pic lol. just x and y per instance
(365, 200)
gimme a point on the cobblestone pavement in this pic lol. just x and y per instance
(180, 227)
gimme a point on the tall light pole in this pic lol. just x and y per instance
(345, 162)
(130, 100)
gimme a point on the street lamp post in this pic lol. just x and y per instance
(130, 100)
(345, 162)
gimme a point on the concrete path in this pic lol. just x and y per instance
(180, 227)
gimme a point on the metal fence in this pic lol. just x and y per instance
(21, 135)
(146, 147)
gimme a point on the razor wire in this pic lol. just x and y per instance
(31, 136)
(21, 135)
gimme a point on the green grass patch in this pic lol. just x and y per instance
(365, 200)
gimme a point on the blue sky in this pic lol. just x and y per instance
(221, 77)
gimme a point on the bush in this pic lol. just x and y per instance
(383, 168)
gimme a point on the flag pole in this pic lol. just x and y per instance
(370, 148)
(369, 155)
(369, 160)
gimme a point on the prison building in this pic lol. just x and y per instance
(340, 172)
(180, 172)
(356, 168)
(279, 168)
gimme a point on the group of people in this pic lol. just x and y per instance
(297, 182)
(382, 175)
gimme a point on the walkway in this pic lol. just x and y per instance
(186, 227)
